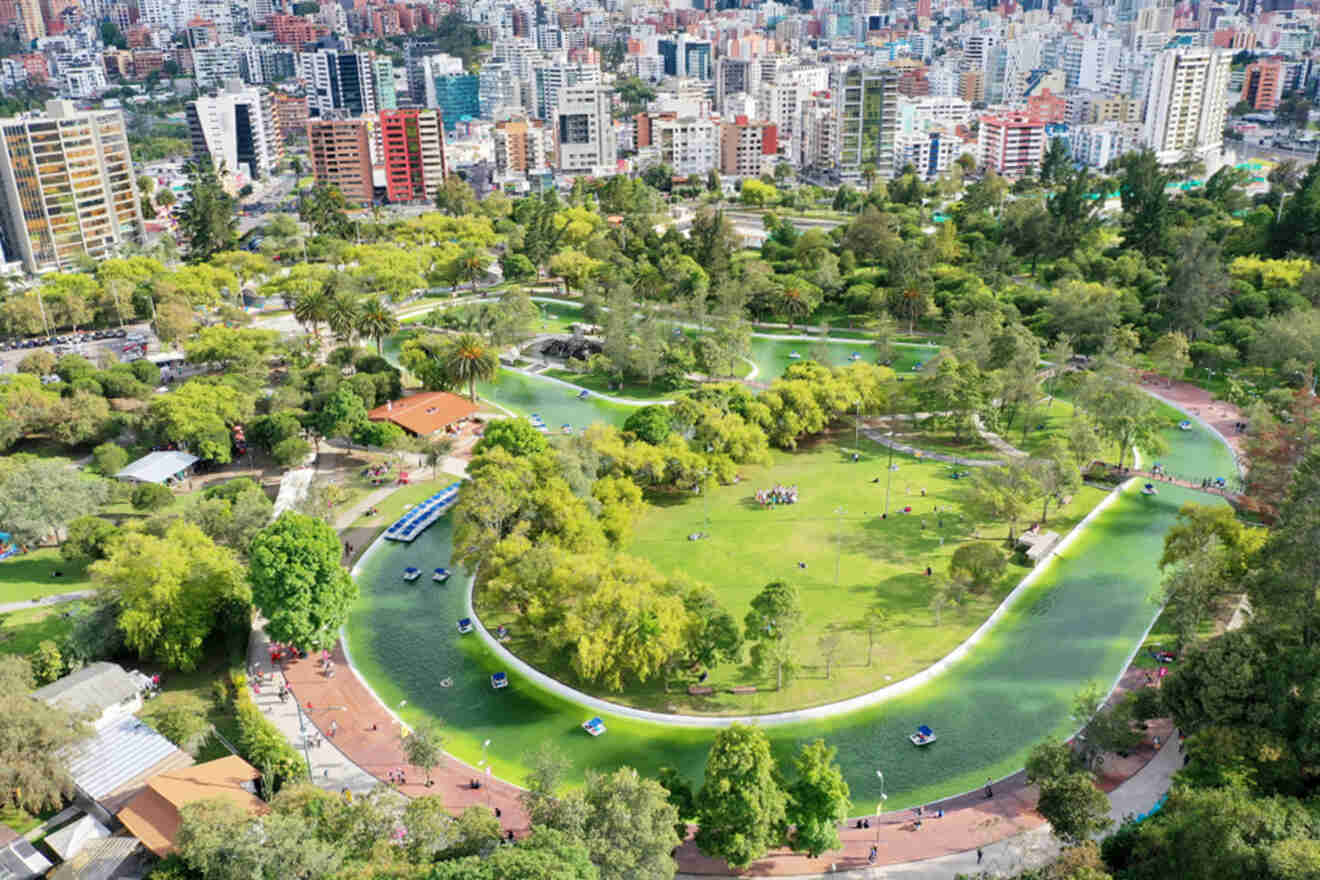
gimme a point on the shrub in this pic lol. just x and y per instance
(47, 662)
(290, 451)
(151, 496)
(109, 459)
(263, 745)
(88, 539)
(978, 564)
(515, 436)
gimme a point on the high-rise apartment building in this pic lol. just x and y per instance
(413, 147)
(520, 146)
(1186, 102)
(734, 75)
(340, 153)
(340, 80)
(237, 130)
(685, 57)
(66, 187)
(748, 148)
(690, 145)
(1011, 144)
(457, 95)
(1262, 86)
(866, 107)
(584, 131)
(31, 24)
(382, 75)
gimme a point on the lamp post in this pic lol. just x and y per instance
(486, 766)
(838, 540)
(880, 807)
(889, 468)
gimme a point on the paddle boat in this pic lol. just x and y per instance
(1185, 425)
(794, 356)
(854, 357)
(583, 394)
(923, 737)
(568, 429)
(499, 680)
(595, 726)
(465, 625)
(440, 575)
(411, 573)
(1149, 489)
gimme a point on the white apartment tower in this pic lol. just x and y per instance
(236, 130)
(584, 131)
(1186, 102)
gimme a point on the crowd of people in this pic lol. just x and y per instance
(777, 495)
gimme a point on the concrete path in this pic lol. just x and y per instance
(999, 443)
(47, 600)
(883, 438)
(328, 767)
(1138, 794)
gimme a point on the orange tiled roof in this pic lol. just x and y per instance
(153, 816)
(425, 413)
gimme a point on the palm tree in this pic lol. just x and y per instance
(311, 309)
(467, 358)
(377, 321)
(342, 314)
(471, 265)
(795, 302)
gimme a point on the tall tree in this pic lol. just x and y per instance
(1124, 414)
(818, 799)
(173, 592)
(39, 498)
(325, 209)
(466, 359)
(208, 221)
(298, 582)
(771, 623)
(741, 808)
(424, 747)
(376, 321)
(1145, 220)
(1287, 585)
(1197, 283)
(628, 824)
(34, 774)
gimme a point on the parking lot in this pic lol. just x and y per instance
(117, 344)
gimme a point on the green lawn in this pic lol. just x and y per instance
(31, 576)
(599, 384)
(405, 497)
(21, 631)
(940, 441)
(201, 688)
(881, 563)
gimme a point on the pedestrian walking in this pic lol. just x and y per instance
(989, 792)
(978, 855)
(871, 857)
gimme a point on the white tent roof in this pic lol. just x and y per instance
(69, 840)
(157, 467)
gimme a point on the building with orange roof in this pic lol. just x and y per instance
(153, 816)
(427, 413)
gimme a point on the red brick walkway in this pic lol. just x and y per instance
(345, 700)
(970, 821)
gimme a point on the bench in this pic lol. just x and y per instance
(698, 691)
(743, 689)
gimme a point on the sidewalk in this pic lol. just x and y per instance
(46, 600)
(328, 766)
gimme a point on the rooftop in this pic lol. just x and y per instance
(113, 765)
(96, 687)
(157, 467)
(425, 413)
(154, 814)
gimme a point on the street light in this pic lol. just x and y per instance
(838, 540)
(880, 807)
